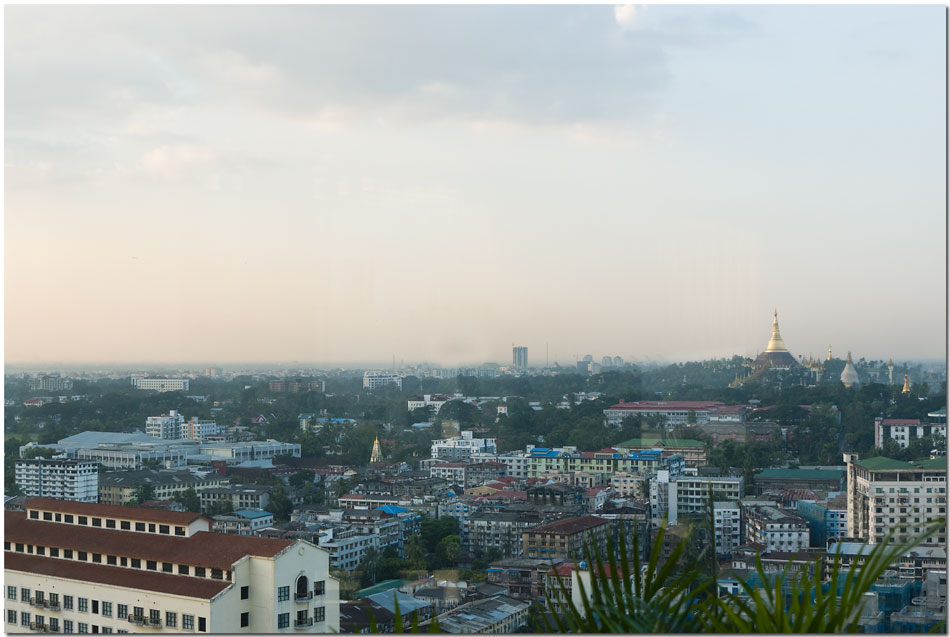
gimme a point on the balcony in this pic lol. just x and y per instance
(51, 605)
(139, 620)
(306, 597)
(154, 622)
(34, 601)
(40, 628)
(303, 623)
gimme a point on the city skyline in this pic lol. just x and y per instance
(648, 182)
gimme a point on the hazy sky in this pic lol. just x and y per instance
(324, 183)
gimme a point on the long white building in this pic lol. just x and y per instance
(685, 495)
(58, 478)
(462, 447)
(374, 380)
(85, 568)
(161, 384)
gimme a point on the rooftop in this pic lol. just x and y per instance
(800, 474)
(112, 511)
(661, 442)
(570, 526)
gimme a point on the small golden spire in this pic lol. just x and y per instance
(776, 344)
(376, 457)
(906, 389)
(829, 353)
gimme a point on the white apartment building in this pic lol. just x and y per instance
(165, 427)
(61, 479)
(161, 384)
(903, 431)
(727, 526)
(776, 529)
(462, 447)
(51, 383)
(516, 464)
(374, 380)
(347, 547)
(85, 568)
(429, 400)
(886, 495)
(452, 472)
(689, 495)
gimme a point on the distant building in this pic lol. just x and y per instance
(165, 427)
(567, 538)
(51, 383)
(776, 355)
(57, 478)
(903, 431)
(495, 615)
(242, 522)
(827, 519)
(462, 447)
(674, 412)
(778, 479)
(727, 526)
(775, 529)
(161, 384)
(120, 487)
(519, 357)
(375, 380)
(430, 400)
(673, 496)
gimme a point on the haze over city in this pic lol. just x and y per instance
(182, 185)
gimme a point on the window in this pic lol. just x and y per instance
(83, 520)
(110, 559)
(53, 551)
(188, 622)
(123, 561)
(140, 526)
(199, 571)
(68, 554)
(283, 593)
(245, 590)
(110, 524)
(136, 562)
(283, 620)
(151, 565)
(182, 569)
(107, 609)
(138, 612)
(97, 558)
(53, 625)
(245, 620)
(163, 528)
(47, 515)
(83, 628)
(39, 620)
(19, 547)
(81, 556)
(154, 617)
(69, 520)
(97, 521)
(202, 625)
(11, 616)
(171, 619)
(34, 515)
(122, 611)
(83, 605)
(151, 527)
(41, 550)
(25, 595)
(216, 573)
(95, 606)
(24, 619)
(29, 548)
(125, 525)
(68, 602)
(67, 625)
(11, 593)
(180, 530)
(106, 629)
(319, 614)
(167, 567)
(319, 588)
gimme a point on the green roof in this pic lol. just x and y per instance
(382, 587)
(931, 463)
(880, 463)
(800, 474)
(661, 442)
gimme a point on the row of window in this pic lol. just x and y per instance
(114, 560)
(104, 608)
(125, 525)
(283, 619)
(39, 622)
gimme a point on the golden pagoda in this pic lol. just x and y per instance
(906, 390)
(775, 354)
(376, 457)
(829, 353)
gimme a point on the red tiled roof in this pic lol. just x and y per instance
(508, 495)
(569, 526)
(900, 421)
(112, 511)
(115, 576)
(352, 496)
(211, 550)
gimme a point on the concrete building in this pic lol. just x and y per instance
(375, 380)
(500, 530)
(693, 451)
(543, 461)
(51, 383)
(776, 480)
(165, 427)
(887, 495)
(903, 431)
(775, 529)
(161, 384)
(827, 519)
(430, 400)
(727, 526)
(242, 522)
(240, 497)
(462, 447)
(58, 478)
(674, 412)
(566, 539)
(498, 614)
(88, 568)
(119, 487)
(524, 578)
(519, 357)
(674, 496)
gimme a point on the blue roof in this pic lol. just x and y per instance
(252, 513)
(391, 509)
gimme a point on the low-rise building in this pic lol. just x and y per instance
(462, 447)
(675, 496)
(827, 519)
(242, 522)
(775, 480)
(495, 615)
(161, 384)
(375, 380)
(903, 431)
(567, 538)
(120, 487)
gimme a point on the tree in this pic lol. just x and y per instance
(189, 499)
(279, 503)
(143, 493)
(449, 550)
(221, 507)
(39, 452)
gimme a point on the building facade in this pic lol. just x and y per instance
(903, 431)
(61, 479)
(375, 380)
(161, 384)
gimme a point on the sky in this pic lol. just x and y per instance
(437, 183)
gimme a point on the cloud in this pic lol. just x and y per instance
(629, 16)
(176, 160)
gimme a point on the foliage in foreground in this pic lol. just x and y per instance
(627, 597)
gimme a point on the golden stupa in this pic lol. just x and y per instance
(376, 457)
(906, 389)
(775, 354)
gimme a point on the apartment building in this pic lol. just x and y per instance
(887, 495)
(166, 427)
(375, 380)
(675, 412)
(903, 431)
(524, 578)
(462, 447)
(243, 522)
(776, 529)
(161, 384)
(693, 451)
(674, 496)
(119, 487)
(498, 614)
(51, 383)
(58, 478)
(827, 519)
(566, 538)
(543, 461)
(87, 568)
(499, 530)
(239, 497)
(727, 526)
